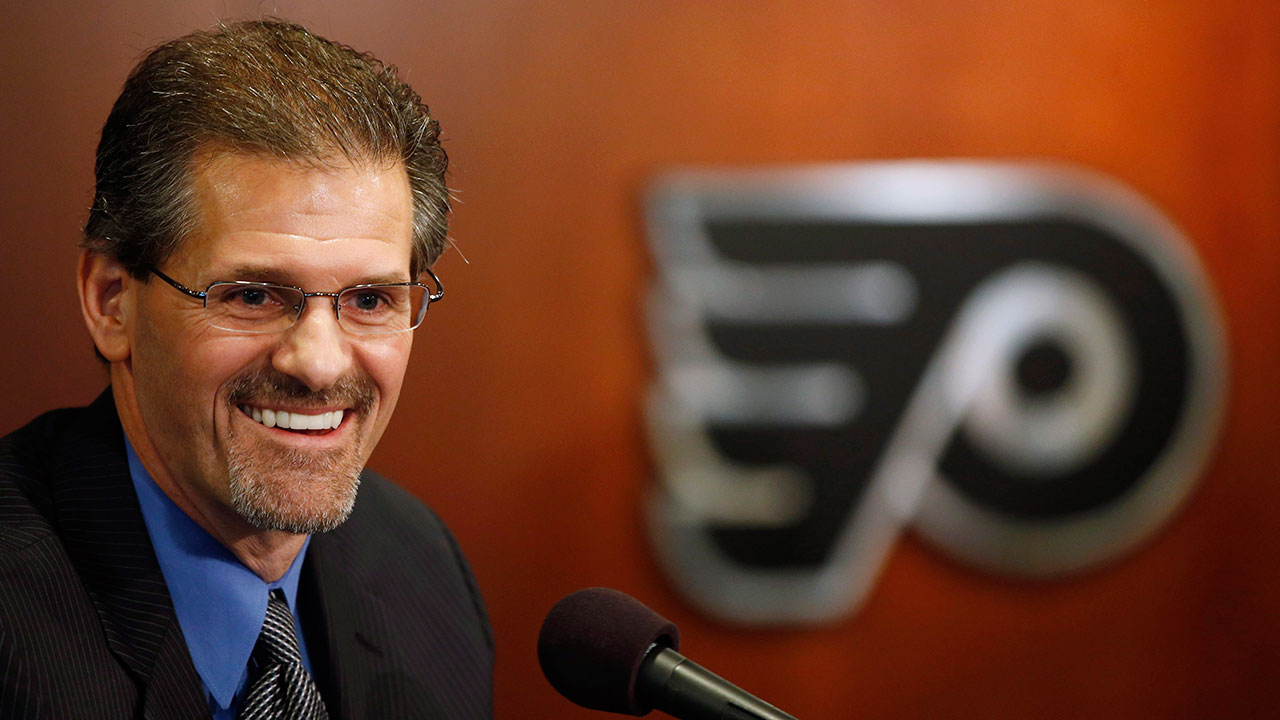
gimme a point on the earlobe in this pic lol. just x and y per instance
(106, 303)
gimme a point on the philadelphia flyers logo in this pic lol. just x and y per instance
(1022, 364)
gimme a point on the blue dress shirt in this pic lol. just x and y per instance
(220, 602)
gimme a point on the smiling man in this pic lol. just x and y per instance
(204, 541)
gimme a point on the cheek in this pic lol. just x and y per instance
(385, 363)
(158, 359)
(186, 369)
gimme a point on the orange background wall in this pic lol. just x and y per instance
(520, 419)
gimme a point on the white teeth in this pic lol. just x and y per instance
(297, 421)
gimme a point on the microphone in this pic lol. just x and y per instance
(605, 650)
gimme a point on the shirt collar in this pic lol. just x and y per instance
(220, 603)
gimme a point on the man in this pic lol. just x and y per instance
(268, 205)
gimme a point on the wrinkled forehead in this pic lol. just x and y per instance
(299, 217)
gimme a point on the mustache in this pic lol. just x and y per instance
(357, 393)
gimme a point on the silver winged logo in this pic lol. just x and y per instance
(1022, 363)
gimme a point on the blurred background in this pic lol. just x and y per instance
(521, 420)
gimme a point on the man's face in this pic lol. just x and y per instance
(198, 389)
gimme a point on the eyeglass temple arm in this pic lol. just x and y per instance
(179, 286)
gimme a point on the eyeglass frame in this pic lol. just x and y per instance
(203, 297)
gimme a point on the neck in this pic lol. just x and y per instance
(268, 553)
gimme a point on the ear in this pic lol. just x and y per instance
(106, 301)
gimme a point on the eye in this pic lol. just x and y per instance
(251, 296)
(258, 297)
(251, 300)
(368, 300)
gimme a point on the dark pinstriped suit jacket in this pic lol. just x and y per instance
(392, 616)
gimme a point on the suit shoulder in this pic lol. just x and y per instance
(30, 449)
(27, 456)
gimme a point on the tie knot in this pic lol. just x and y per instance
(277, 643)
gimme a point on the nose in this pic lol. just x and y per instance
(316, 350)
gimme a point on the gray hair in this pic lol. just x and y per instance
(268, 88)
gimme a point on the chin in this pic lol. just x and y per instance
(296, 492)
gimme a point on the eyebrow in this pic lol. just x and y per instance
(275, 276)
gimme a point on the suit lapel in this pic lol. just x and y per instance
(349, 605)
(103, 531)
(330, 610)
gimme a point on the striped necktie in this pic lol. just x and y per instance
(281, 689)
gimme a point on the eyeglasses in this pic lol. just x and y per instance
(253, 307)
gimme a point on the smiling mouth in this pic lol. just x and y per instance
(286, 420)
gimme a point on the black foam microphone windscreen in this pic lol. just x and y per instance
(592, 643)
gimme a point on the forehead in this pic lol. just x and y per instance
(299, 218)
